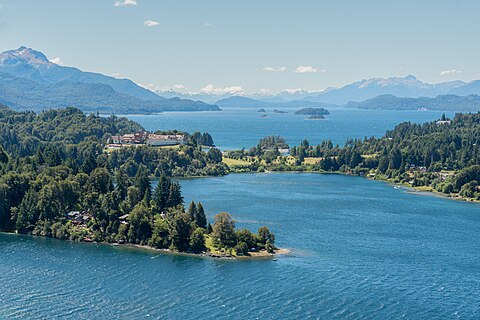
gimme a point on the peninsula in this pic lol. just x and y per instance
(59, 180)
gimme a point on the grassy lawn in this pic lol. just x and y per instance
(235, 162)
(168, 147)
(312, 160)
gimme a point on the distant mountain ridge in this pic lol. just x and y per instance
(403, 87)
(470, 103)
(284, 96)
(408, 86)
(28, 80)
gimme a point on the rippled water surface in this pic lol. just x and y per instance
(360, 249)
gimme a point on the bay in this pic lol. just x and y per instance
(235, 128)
(360, 249)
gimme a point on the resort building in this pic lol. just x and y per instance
(144, 137)
(165, 139)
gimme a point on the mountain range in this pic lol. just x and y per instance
(403, 87)
(408, 86)
(28, 80)
(470, 103)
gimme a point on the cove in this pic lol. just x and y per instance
(360, 248)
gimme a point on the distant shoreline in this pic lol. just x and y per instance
(409, 189)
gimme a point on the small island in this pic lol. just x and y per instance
(315, 117)
(261, 110)
(313, 111)
(279, 111)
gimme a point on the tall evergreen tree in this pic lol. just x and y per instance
(192, 210)
(200, 217)
(175, 195)
(162, 191)
(142, 182)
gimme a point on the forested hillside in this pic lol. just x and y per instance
(58, 180)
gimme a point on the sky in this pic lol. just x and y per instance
(249, 46)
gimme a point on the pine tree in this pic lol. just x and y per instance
(142, 182)
(122, 183)
(175, 195)
(89, 164)
(200, 217)
(160, 196)
(192, 210)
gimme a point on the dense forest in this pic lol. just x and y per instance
(439, 156)
(58, 180)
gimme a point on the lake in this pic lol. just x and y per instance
(360, 249)
(235, 128)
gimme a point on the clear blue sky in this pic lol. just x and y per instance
(230, 43)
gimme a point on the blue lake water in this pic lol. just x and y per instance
(360, 249)
(234, 128)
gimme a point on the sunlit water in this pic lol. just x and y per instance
(235, 128)
(360, 249)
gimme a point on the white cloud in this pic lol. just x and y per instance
(307, 69)
(211, 89)
(175, 87)
(450, 72)
(274, 69)
(178, 86)
(207, 24)
(57, 60)
(264, 92)
(125, 3)
(150, 23)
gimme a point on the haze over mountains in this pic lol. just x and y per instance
(28, 80)
(470, 103)
(377, 93)
(237, 101)
(408, 86)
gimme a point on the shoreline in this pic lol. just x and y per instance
(253, 255)
(409, 189)
(137, 247)
(432, 193)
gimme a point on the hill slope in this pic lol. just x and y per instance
(469, 103)
(28, 80)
